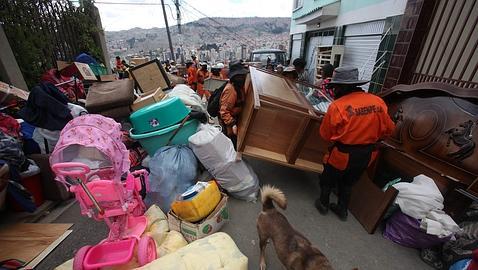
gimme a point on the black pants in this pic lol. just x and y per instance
(359, 157)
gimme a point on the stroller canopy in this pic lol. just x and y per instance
(94, 140)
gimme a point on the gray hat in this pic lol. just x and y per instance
(346, 75)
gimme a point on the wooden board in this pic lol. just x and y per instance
(25, 241)
(150, 76)
(48, 250)
(369, 203)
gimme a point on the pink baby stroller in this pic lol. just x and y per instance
(92, 162)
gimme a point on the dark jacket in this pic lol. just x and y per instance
(46, 108)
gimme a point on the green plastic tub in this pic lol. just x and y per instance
(154, 140)
(160, 115)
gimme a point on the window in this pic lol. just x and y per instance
(298, 4)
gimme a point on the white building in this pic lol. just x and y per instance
(358, 33)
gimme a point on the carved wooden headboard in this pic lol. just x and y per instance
(436, 126)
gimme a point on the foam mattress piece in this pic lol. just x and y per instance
(109, 95)
(217, 251)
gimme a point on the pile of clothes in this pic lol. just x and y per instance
(421, 223)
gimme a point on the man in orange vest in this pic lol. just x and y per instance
(191, 71)
(355, 121)
(202, 75)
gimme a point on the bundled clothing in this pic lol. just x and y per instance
(9, 125)
(71, 90)
(46, 108)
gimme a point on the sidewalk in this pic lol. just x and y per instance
(346, 244)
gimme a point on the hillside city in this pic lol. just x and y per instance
(211, 39)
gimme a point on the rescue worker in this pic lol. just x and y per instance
(232, 100)
(192, 72)
(216, 73)
(354, 122)
(202, 74)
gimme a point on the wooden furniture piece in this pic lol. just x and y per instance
(435, 135)
(150, 76)
(278, 124)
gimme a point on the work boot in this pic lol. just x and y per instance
(323, 209)
(339, 211)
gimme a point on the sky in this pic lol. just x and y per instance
(127, 14)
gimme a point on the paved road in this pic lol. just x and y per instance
(346, 244)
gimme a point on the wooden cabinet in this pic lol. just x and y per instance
(279, 123)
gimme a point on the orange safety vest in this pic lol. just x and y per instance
(201, 76)
(192, 80)
(357, 118)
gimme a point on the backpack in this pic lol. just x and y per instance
(214, 101)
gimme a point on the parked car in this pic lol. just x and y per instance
(260, 57)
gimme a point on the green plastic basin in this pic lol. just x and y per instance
(154, 140)
(159, 115)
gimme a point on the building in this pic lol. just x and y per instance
(357, 33)
(389, 41)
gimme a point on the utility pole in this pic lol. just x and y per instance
(167, 31)
(178, 18)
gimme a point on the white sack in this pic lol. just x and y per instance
(440, 224)
(188, 97)
(217, 154)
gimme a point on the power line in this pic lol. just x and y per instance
(220, 27)
(219, 23)
(229, 34)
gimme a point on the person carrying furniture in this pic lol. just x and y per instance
(232, 100)
(355, 121)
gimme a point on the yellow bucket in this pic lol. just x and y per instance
(200, 206)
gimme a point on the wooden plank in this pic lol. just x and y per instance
(245, 119)
(298, 141)
(47, 251)
(280, 159)
(24, 241)
(369, 203)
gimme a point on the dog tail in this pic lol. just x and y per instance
(270, 194)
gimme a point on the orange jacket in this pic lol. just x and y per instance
(230, 107)
(192, 75)
(201, 76)
(357, 118)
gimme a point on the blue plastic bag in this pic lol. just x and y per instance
(173, 170)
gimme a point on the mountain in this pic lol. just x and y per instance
(203, 34)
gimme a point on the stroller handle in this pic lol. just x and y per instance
(72, 169)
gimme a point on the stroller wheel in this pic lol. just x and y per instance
(146, 250)
(80, 257)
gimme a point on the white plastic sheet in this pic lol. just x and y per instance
(188, 97)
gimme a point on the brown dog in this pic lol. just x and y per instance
(293, 249)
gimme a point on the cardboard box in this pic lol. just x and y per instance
(138, 60)
(213, 84)
(107, 78)
(201, 229)
(83, 71)
(9, 93)
(147, 98)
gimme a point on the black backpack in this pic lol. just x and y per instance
(214, 101)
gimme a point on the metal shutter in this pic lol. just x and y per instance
(361, 52)
(295, 49)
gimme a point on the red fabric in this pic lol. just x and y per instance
(474, 261)
(54, 77)
(9, 125)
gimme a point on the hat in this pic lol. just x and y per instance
(236, 68)
(346, 75)
(220, 65)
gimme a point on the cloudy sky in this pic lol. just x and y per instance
(126, 14)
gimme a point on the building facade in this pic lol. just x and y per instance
(389, 41)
